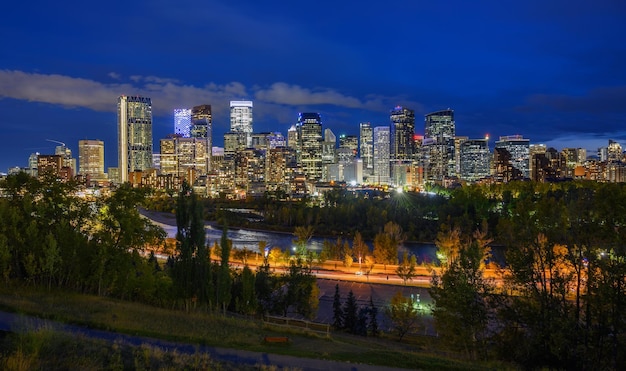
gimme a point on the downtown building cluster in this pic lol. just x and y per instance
(311, 158)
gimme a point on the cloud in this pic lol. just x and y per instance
(599, 100)
(167, 94)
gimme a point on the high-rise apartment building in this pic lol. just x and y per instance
(474, 159)
(241, 120)
(182, 122)
(309, 128)
(91, 158)
(366, 147)
(134, 133)
(519, 150)
(438, 146)
(381, 138)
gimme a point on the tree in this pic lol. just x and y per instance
(406, 269)
(404, 314)
(303, 234)
(386, 244)
(460, 296)
(373, 318)
(350, 313)
(337, 310)
(359, 249)
(223, 278)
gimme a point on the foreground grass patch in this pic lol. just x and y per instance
(216, 330)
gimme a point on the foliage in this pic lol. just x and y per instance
(406, 269)
(404, 314)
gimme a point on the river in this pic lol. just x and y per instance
(249, 239)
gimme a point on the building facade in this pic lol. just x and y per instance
(91, 158)
(381, 138)
(438, 146)
(182, 122)
(134, 124)
(241, 120)
(309, 128)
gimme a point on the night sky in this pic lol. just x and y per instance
(553, 71)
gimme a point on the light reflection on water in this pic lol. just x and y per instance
(250, 239)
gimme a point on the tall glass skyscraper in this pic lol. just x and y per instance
(182, 122)
(241, 120)
(202, 129)
(518, 148)
(402, 132)
(366, 147)
(134, 133)
(382, 156)
(309, 128)
(438, 146)
(475, 159)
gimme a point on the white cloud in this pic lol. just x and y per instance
(167, 93)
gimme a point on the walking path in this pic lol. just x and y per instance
(12, 322)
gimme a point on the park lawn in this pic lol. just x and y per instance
(212, 329)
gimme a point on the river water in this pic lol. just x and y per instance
(250, 239)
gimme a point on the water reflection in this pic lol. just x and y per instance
(250, 239)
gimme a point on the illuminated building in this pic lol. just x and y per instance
(329, 153)
(519, 150)
(182, 122)
(309, 128)
(402, 132)
(202, 129)
(241, 120)
(438, 146)
(381, 139)
(179, 156)
(134, 124)
(91, 158)
(474, 159)
(366, 147)
(535, 150)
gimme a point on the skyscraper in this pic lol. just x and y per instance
(518, 148)
(438, 145)
(309, 128)
(91, 158)
(202, 129)
(402, 132)
(182, 122)
(381, 138)
(366, 147)
(475, 159)
(134, 133)
(241, 120)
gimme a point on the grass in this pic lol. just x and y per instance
(228, 332)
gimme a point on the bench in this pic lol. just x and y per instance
(276, 339)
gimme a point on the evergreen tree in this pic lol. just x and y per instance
(350, 313)
(337, 310)
(223, 279)
(373, 318)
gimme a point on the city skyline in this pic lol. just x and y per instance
(550, 72)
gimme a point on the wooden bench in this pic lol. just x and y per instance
(276, 339)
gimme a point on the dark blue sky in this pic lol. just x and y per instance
(553, 71)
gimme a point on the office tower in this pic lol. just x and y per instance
(519, 150)
(309, 128)
(350, 142)
(381, 139)
(233, 143)
(32, 164)
(292, 137)
(49, 165)
(438, 145)
(366, 147)
(241, 120)
(614, 152)
(329, 153)
(184, 157)
(182, 122)
(266, 141)
(475, 159)
(91, 158)
(457, 154)
(535, 150)
(134, 133)
(402, 132)
(202, 129)
(66, 156)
